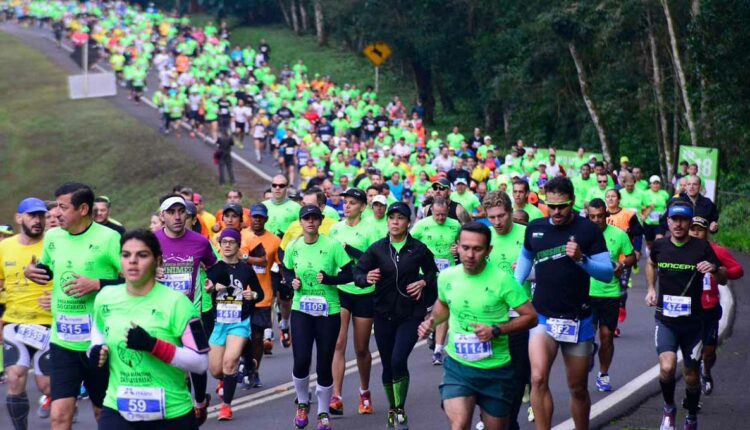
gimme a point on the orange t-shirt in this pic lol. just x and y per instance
(270, 243)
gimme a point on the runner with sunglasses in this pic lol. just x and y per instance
(442, 188)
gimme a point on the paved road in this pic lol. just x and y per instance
(271, 407)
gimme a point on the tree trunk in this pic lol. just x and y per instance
(665, 148)
(680, 74)
(423, 81)
(303, 15)
(506, 128)
(194, 7)
(593, 112)
(676, 121)
(445, 99)
(293, 14)
(284, 12)
(491, 111)
(320, 28)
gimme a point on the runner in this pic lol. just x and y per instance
(442, 188)
(235, 290)
(521, 200)
(565, 251)
(605, 296)
(402, 298)
(678, 263)
(185, 253)
(478, 368)
(145, 337)
(27, 320)
(313, 266)
(712, 310)
(507, 241)
(356, 236)
(81, 257)
(655, 204)
(439, 233)
(261, 249)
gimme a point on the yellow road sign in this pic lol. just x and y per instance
(377, 53)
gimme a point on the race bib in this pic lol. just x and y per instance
(140, 403)
(261, 270)
(74, 328)
(676, 306)
(563, 330)
(316, 306)
(470, 348)
(706, 282)
(654, 216)
(180, 282)
(33, 335)
(228, 313)
(289, 150)
(442, 264)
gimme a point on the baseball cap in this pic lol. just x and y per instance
(308, 210)
(355, 193)
(541, 182)
(654, 178)
(234, 207)
(434, 133)
(401, 208)
(444, 182)
(461, 181)
(191, 209)
(680, 211)
(488, 137)
(6, 229)
(624, 159)
(700, 221)
(294, 195)
(542, 163)
(171, 201)
(259, 209)
(381, 199)
(31, 205)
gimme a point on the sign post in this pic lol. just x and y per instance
(377, 53)
(707, 160)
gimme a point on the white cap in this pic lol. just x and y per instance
(380, 199)
(514, 175)
(168, 203)
(488, 137)
(654, 178)
(542, 163)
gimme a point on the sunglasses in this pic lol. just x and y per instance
(439, 188)
(602, 182)
(559, 206)
(278, 185)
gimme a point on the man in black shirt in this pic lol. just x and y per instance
(702, 205)
(288, 148)
(567, 251)
(223, 156)
(679, 263)
(102, 210)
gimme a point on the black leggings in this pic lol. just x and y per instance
(112, 420)
(395, 339)
(324, 331)
(518, 344)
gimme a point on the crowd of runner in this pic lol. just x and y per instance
(374, 222)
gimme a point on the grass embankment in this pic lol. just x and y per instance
(47, 139)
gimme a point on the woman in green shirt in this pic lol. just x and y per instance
(146, 361)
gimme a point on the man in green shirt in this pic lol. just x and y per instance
(521, 200)
(475, 298)
(631, 197)
(80, 257)
(465, 198)
(654, 205)
(454, 139)
(356, 236)
(281, 210)
(582, 184)
(599, 191)
(605, 296)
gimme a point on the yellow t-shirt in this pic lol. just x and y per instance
(295, 230)
(22, 295)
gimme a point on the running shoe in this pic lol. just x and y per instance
(391, 425)
(201, 412)
(83, 394)
(336, 406)
(256, 383)
(707, 382)
(45, 402)
(603, 384)
(668, 418)
(622, 315)
(324, 421)
(526, 394)
(301, 420)
(437, 358)
(531, 416)
(636, 268)
(286, 339)
(220, 390)
(365, 403)
(402, 422)
(225, 413)
(691, 423)
(268, 346)
(479, 426)
(617, 332)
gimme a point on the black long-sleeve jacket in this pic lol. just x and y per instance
(398, 269)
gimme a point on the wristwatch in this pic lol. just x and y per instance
(496, 331)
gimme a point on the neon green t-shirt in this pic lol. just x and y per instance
(532, 211)
(380, 226)
(439, 238)
(478, 299)
(582, 187)
(94, 254)
(307, 260)
(360, 237)
(505, 251)
(596, 193)
(618, 243)
(632, 201)
(281, 215)
(164, 314)
(659, 199)
(468, 200)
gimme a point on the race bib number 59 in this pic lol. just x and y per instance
(140, 403)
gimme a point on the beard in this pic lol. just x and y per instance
(30, 233)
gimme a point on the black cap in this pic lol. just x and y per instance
(401, 208)
(444, 182)
(308, 210)
(294, 195)
(355, 193)
(234, 207)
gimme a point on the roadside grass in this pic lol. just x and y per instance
(47, 139)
